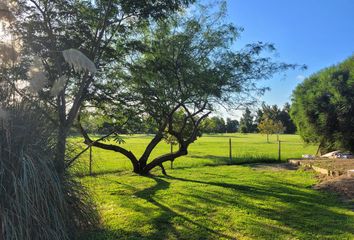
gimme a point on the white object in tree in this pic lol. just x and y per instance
(79, 61)
(58, 86)
(38, 79)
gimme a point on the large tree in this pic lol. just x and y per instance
(323, 107)
(219, 124)
(231, 125)
(246, 122)
(56, 49)
(66, 45)
(277, 115)
(284, 117)
(187, 65)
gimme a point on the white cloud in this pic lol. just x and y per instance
(300, 77)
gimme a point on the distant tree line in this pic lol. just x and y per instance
(266, 119)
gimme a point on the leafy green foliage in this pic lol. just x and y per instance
(286, 120)
(277, 115)
(232, 125)
(63, 42)
(74, 44)
(213, 125)
(246, 122)
(268, 126)
(323, 107)
(217, 125)
(185, 65)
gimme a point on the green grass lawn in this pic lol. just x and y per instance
(221, 202)
(200, 201)
(207, 150)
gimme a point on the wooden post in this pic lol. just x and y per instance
(90, 167)
(171, 153)
(279, 151)
(230, 150)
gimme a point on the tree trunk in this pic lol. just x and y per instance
(137, 166)
(141, 166)
(90, 161)
(153, 143)
(164, 158)
(171, 153)
(267, 138)
(318, 152)
(60, 150)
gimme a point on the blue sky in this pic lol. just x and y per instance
(318, 33)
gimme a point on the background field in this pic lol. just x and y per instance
(208, 150)
(204, 198)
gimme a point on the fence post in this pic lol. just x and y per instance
(230, 150)
(171, 153)
(90, 167)
(279, 150)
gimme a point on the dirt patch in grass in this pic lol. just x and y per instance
(336, 180)
(342, 185)
(337, 165)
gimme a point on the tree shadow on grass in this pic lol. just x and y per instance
(298, 213)
(99, 173)
(163, 222)
(238, 160)
(308, 213)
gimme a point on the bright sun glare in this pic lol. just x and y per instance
(4, 35)
(6, 17)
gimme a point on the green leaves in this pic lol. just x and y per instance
(323, 107)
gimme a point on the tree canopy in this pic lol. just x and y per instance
(277, 115)
(323, 107)
(268, 126)
(247, 122)
(67, 45)
(184, 66)
(51, 54)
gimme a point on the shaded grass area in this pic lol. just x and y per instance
(209, 150)
(220, 202)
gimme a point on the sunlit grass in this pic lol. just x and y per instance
(221, 202)
(207, 150)
(201, 201)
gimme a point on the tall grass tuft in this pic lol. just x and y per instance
(34, 202)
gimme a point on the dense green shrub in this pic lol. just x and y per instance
(323, 107)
